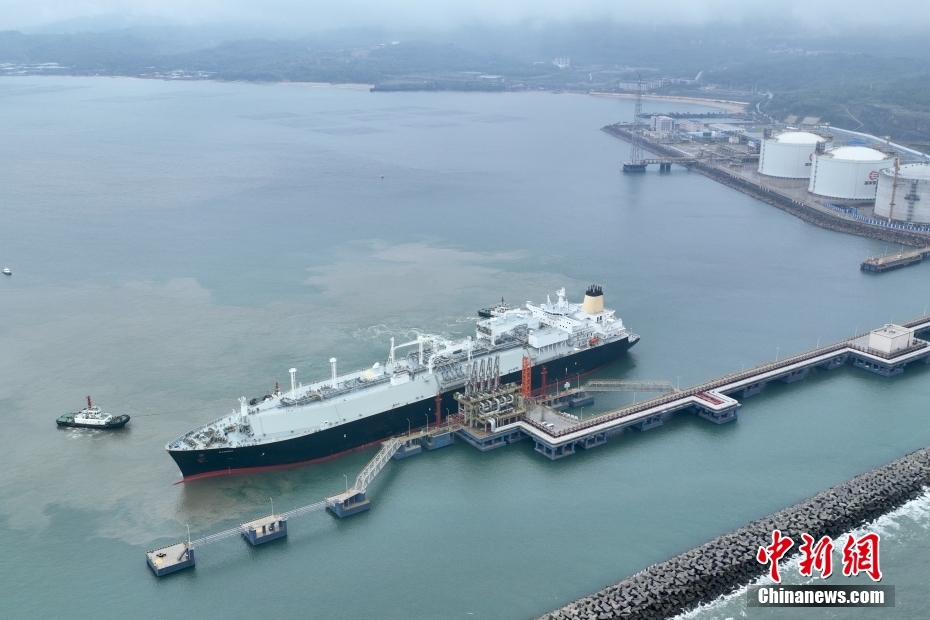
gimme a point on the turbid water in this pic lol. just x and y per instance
(176, 245)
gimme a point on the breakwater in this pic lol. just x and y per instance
(824, 218)
(728, 562)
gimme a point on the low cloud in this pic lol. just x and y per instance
(315, 15)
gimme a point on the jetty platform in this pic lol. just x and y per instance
(556, 433)
(895, 260)
(716, 400)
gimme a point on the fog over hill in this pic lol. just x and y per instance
(855, 64)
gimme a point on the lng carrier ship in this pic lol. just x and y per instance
(416, 384)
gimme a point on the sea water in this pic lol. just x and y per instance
(175, 245)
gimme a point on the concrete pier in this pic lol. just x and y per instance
(170, 559)
(433, 442)
(895, 260)
(265, 529)
(409, 448)
(349, 503)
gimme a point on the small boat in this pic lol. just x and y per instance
(7, 272)
(92, 417)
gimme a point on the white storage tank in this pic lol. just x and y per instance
(789, 155)
(911, 197)
(848, 172)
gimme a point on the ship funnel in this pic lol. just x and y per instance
(332, 362)
(593, 300)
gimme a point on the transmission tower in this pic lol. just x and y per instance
(636, 135)
(636, 145)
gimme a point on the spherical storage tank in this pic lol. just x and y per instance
(789, 155)
(847, 172)
(911, 196)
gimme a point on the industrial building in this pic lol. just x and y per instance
(790, 155)
(908, 188)
(663, 124)
(848, 172)
(691, 125)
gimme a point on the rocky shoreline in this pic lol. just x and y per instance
(728, 562)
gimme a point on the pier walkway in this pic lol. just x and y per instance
(600, 385)
(178, 556)
(715, 400)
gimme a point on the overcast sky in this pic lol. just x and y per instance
(314, 15)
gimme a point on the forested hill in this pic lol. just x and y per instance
(875, 84)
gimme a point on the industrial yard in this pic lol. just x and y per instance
(835, 178)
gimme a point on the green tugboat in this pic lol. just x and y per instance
(92, 417)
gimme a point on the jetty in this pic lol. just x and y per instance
(492, 415)
(895, 260)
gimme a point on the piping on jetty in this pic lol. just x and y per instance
(492, 415)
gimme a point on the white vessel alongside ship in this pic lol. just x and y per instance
(414, 386)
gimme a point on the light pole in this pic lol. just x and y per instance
(776, 353)
(678, 385)
(427, 424)
(408, 427)
(818, 342)
(272, 505)
(347, 483)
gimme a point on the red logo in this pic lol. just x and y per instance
(860, 555)
(774, 552)
(819, 556)
(873, 175)
(811, 157)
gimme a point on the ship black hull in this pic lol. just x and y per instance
(359, 434)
